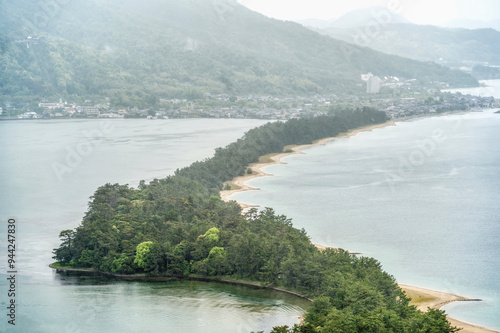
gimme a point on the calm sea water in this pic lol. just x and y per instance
(421, 197)
(489, 88)
(49, 169)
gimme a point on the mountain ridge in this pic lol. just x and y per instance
(429, 43)
(385, 31)
(140, 52)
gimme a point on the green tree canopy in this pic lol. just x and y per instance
(142, 257)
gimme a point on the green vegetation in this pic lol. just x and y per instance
(58, 264)
(178, 226)
(144, 53)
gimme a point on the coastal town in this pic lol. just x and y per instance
(398, 97)
(255, 107)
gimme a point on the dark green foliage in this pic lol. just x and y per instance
(232, 161)
(178, 226)
(64, 253)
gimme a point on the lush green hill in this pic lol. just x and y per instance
(137, 52)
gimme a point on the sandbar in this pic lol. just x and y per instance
(425, 298)
(422, 298)
(238, 184)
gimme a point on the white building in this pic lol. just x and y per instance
(91, 111)
(373, 85)
(52, 105)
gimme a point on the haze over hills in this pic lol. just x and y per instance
(137, 52)
(356, 18)
(473, 24)
(360, 17)
(389, 32)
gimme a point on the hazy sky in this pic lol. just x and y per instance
(418, 11)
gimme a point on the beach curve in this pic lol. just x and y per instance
(238, 184)
(422, 298)
(425, 298)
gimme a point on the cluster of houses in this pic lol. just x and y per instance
(263, 107)
(404, 107)
(66, 110)
(376, 85)
(267, 107)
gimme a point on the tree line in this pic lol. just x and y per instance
(232, 161)
(178, 226)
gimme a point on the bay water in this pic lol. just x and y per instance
(50, 168)
(419, 196)
(422, 197)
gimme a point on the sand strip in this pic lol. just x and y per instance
(424, 298)
(421, 298)
(238, 184)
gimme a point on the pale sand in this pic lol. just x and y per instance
(424, 298)
(239, 183)
(421, 298)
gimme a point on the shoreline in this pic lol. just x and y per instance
(146, 278)
(238, 184)
(422, 298)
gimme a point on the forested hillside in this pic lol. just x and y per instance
(178, 226)
(138, 52)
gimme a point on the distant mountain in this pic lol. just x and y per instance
(138, 52)
(372, 15)
(356, 18)
(473, 24)
(316, 23)
(446, 46)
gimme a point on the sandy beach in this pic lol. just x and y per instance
(421, 298)
(238, 184)
(424, 298)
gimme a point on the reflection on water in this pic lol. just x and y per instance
(181, 306)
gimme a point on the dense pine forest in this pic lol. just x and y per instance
(178, 226)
